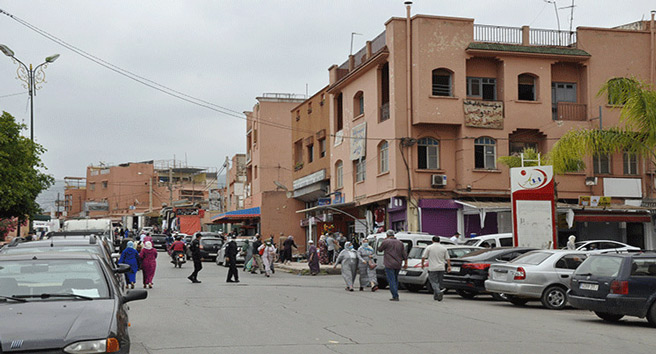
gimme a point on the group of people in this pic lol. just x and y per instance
(143, 259)
(261, 255)
(358, 262)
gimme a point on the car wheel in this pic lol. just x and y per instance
(554, 298)
(516, 300)
(609, 317)
(467, 294)
(413, 288)
(651, 315)
(499, 296)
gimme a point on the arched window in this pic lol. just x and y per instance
(442, 81)
(485, 153)
(358, 104)
(339, 174)
(527, 87)
(428, 154)
(383, 157)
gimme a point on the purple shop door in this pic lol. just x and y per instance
(439, 222)
(473, 224)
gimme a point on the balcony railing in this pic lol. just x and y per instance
(550, 37)
(497, 34)
(384, 111)
(570, 111)
(524, 36)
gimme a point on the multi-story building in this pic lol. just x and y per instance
(420, 115)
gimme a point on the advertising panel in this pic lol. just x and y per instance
(533, 207)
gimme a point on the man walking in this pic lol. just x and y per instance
(257, 258)
(455, 238)
(330, 243)
(195, 255)
(437, 256)
(395, 253)
(231, 258)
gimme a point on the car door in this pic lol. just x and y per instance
(565, 267)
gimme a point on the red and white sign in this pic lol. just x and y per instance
(533, 207)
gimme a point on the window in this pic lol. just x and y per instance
(322, 148)
(104, 184)
(298, 152)
(428, 154)
(323, 99)
(310, 150)
(442, 82)
(482, 87)
(358, 104)
(360, 170)
(526, 87)
(92, 186)
(383, 156)
(254, 172)
(309, 107)
(384, 93)
(571, 261)
(485, 153)
(601, 163)
(298, 115)
(630, 163)
(339, 175)
(339, 124)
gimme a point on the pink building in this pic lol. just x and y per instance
(420, 115)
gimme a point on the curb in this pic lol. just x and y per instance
(306, 270)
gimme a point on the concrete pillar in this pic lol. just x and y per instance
(368, 49)
(526, 38)
(351, 62)
(332, 74)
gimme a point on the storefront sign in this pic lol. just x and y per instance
(483, 114)
(594, 200)
(533, 207)
(186, 211)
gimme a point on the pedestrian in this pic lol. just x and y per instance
(313, 258)
(257, 256)
(130, 257)
(273, 258)
(349, 260)
(231, 257)
(571, 243)
(268, 256)
(437, 256)
(147, 238)
(247, 249)
(367, 268)
(394, 255)
(148, 257)
(196, 256)
(341, 240)
(323, 250)
(455, 238)
(330, 243)
(287, 249)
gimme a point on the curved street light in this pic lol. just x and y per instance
(32, 77)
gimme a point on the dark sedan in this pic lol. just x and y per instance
(159, 241)
(616, 285)
(209, 248)
(62, 303)
(469, 273)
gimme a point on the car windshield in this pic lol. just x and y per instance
(212, 242)
(416, 252)
(471, 241)
(532, 258)
(34, 278)
(602, 266)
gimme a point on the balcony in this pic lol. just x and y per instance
(570, 111)
(524, 36)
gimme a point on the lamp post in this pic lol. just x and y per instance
(31, 76)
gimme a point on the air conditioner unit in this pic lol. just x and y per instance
(438, 180)
(591, 181)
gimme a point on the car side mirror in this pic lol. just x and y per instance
(132, 295)
(116, 256)
(122, 268)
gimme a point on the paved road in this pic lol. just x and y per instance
(302, 314)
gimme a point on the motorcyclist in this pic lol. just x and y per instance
(177, 247)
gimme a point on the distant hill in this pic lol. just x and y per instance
(48, 197)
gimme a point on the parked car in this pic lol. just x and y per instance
(220, 258)
(538, 275)
(605, 246)
(491, 241)
(63, 303)
(209, 248)
(415, 278)
(159, 241)
(615, 285)
(84, 235)
(469, 273)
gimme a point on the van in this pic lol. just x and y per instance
(491, 241)
(409, 239)
(101, 226)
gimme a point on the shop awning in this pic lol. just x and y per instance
(237, 215)
(482, 208)
(326, 207)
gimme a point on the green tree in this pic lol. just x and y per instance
(635, 134)
(21, 176)
(515, 160)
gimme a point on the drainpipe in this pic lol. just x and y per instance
(651, 44)
(408, 73)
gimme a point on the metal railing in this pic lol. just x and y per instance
(551, 37)
(497, 34)
(571, 111)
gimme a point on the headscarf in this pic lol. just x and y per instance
(322, 238)
(130, 244)
(572, 238)
(365, 245)
(290, 237)
(148, 245)
(310, 242)
(348, 246)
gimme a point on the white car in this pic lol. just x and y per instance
(220, 258)
(491, 241)
(605, 246)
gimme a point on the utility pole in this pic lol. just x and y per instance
(170, 187)
(150, 194)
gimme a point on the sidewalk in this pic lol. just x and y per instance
(303, 269)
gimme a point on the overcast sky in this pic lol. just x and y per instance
(223, 52)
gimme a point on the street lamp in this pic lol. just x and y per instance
(31, 77)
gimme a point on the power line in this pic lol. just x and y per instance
(13, 94)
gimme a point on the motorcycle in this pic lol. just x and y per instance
(178, 259)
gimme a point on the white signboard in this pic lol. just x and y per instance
(533, 206)
(534, 223)
(623, 187)
(358, 141)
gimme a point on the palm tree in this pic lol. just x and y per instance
(636, 133)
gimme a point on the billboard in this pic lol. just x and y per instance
(533, 207)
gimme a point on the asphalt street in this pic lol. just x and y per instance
(303, 314)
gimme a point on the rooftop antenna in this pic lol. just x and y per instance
(571, 18)
(353, 34)
(555, 9)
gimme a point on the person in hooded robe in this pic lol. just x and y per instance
(349, 259)
(367, 274)
(268, 256)
(571, 243)
(313, 258)
(130, 257)
(148, 257)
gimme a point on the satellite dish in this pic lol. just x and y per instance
(289, 195)
(280, 185)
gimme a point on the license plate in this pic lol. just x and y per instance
(588, 286)
(455, 269)
(499, 276)
(403, 272)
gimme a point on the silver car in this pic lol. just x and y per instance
(220, 258)
(538, 275)
(414, 278)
